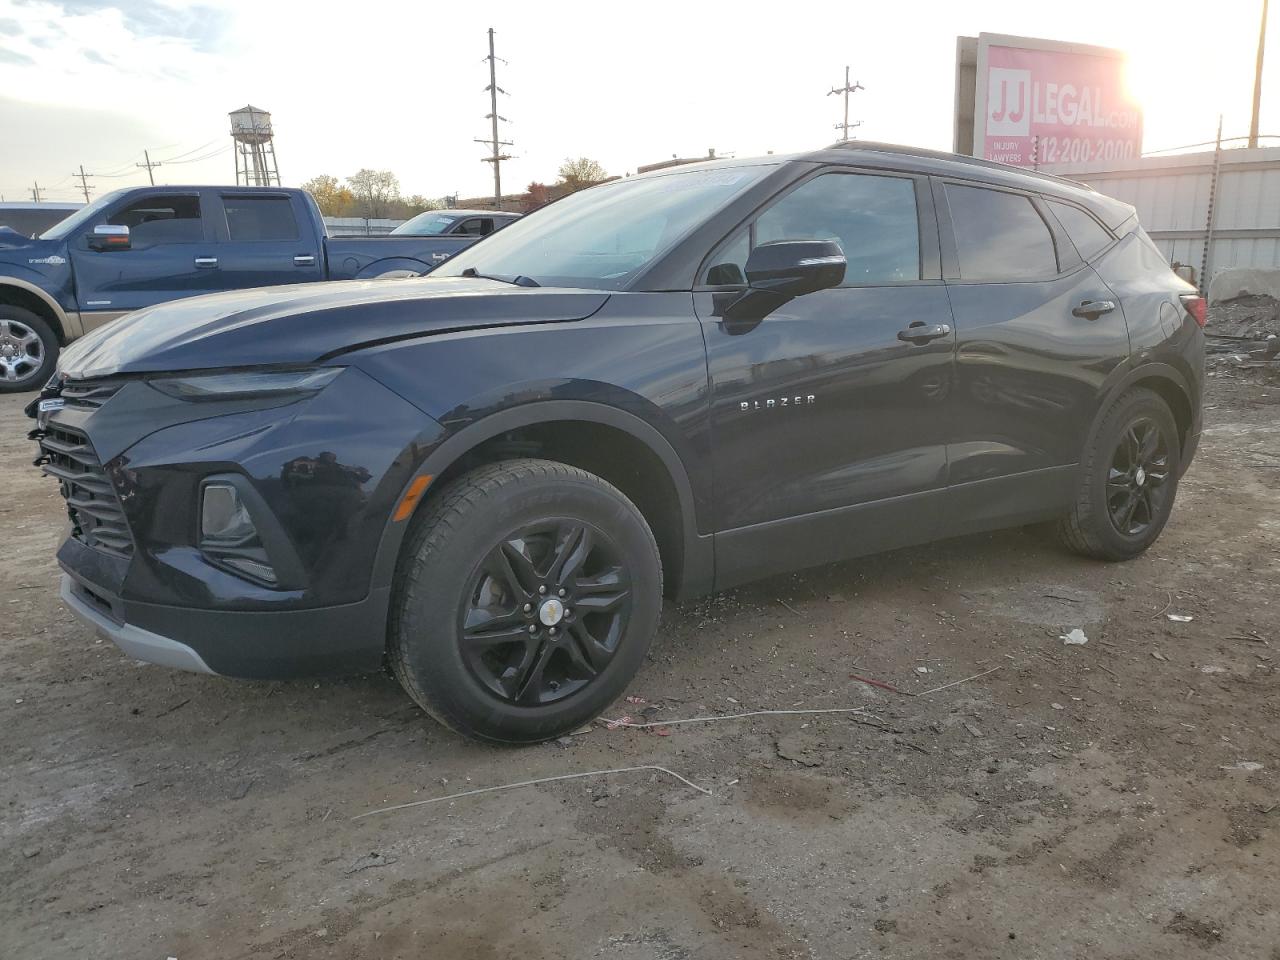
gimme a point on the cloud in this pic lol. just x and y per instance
(93, 56)
(12, 56)
(10, 26)
(202, 27)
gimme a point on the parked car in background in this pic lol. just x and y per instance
(673, 383)
(33, 219)
(141, 246)
(455, 223)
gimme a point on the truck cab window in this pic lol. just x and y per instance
(259, 218)
(475, 227)
(161, 219)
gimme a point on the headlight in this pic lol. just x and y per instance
(231, 386)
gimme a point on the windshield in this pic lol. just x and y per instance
(427, 224)
(602, 237)
(68, 226)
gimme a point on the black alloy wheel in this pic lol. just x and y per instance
(545, 611)
(1137, 482)
(526, 595)
(1128, 479)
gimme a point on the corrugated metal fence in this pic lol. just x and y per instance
(1171, 195)
(359, 226)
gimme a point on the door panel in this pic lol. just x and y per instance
(821, 406)
(266, 240)
(168, 235)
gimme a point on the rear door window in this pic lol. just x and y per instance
(1088, 235)
(999, 236)
(475, 227)
(161, 219)
(259, 218)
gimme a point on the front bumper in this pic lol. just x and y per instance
(254, 645)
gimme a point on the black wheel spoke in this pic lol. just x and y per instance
(513, 569)
(1150, 441)
(528, 687)
(483, 627)
(574, 543)
(602, 593)
(586, 649)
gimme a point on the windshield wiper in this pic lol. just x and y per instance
(519, 280)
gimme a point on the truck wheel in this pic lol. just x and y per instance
(28, 350)
(525, 600)
(1128, 480)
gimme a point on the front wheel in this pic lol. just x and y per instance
(1129, 478)
(526, 598)
(28, 350)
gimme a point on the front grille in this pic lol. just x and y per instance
(97, 518)
(89, 394)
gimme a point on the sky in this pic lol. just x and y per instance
(400, 85)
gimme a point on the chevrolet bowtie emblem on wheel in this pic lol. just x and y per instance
(806, 400)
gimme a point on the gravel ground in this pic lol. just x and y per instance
(1097, 800)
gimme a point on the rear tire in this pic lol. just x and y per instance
(28, 350)
(1128, 480)
(525, 600)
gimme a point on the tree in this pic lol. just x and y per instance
(580, 173)
(375, 191)
(539, 196)
(333, 199)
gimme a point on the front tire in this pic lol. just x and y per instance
(28, 350)
(1129, 479)
(525, 600)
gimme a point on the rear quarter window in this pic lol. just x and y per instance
(1088, 235)
(999, 236)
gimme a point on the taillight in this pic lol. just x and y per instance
(1196, 306)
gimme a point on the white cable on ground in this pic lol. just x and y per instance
(532, 783)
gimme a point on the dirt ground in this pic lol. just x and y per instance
(1095, 800)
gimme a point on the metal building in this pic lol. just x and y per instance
(1172, 196)
(255, 149)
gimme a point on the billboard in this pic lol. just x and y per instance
(1038, 102)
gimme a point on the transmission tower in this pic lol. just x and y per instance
(494, 143)
(846, 126)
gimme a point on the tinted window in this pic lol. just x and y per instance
(1086, 233)
(872, 217)
(260, 218)
(999, 236)
(161, 219)
(474, 227)
(426, 225)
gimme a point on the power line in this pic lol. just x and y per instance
(207, 156)
(203, 146)
(494, 143)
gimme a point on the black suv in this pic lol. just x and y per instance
(487, 478)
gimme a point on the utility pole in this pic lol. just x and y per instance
(493, 142)
(35, 192)
(846, 90)
(1257, 78)
(150, 176)
(84, 181)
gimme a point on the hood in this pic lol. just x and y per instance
(309, 322)
(16, 248)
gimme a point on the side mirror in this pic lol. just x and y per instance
(109, 236)
(781, 271)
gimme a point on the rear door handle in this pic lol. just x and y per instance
(206, 262)
(305, 260)
(1093, 309)
(921, 332)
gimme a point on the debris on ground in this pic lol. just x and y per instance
(1247, 765)
(1212, 668)
(1074, 637)
(1180, 617)
(374, 859)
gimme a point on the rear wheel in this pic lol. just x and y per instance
(1128, 481)
(525, 602)
(28, 350)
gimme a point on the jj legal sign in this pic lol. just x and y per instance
(1044, 102)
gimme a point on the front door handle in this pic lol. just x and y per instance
(921, 332)
(305, 260)
(1093, 309)
(206, 263)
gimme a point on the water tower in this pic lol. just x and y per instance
(255, 152)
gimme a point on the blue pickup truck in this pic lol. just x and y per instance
(141, 246)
